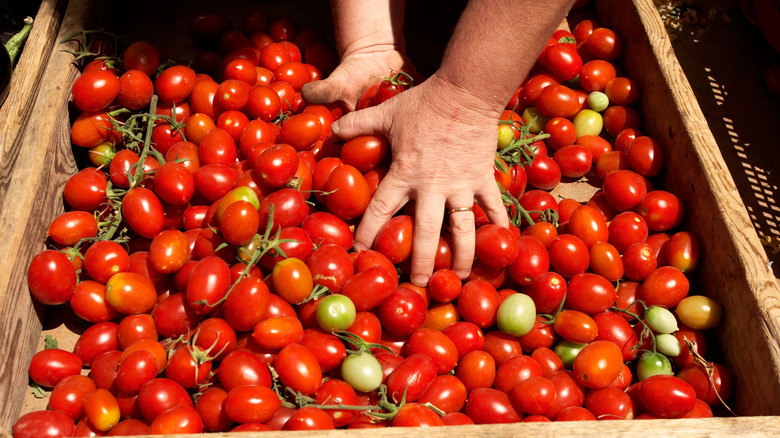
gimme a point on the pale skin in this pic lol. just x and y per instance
(443, 131)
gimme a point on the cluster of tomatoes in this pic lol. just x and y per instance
(209, 245)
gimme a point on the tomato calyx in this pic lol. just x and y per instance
(401, 78)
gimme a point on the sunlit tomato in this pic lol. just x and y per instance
(467, 337)
(614, 328)
(69, 394)
(102, 409)
(562, 60)
(558, 101)
(365, 152)
(618, 118)
(535, 395)
(666, 287)
(394, 239)
(604, 44)
(275, 333)
(301, 131)
(298, 369)
(645, 156)
(626, 229)
(547, 291)
(51, 277)
(251, 404)
(605, 261)
(569, 255)
(624, 189)
(544, 173)
(490, 406)
(589, 225)
(534, 86)
(478, 302)
(130, 293)
(682, 251)
(402, 312)
(143, 212)
(590, 293)
(515, 370)
(575, 326)
(595, 75)
(496, 246)
(50, 366)
(667, 396)
(573, 160)
(622, 91)
(348, 192)
(535, 201)
(95, 90)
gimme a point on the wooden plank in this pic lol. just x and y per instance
(35, 166)
(733, 268)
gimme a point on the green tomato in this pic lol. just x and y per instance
(532, 114)
(505, 136)
(661, 320)
(516, 315)
(598, 101)
(651, 364)
(668, 344)
(568, 351)
(362, 371)
(588, 122)
(335, 313)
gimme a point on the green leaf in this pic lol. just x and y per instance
(50, 343)
(567, 39)
(37, 391)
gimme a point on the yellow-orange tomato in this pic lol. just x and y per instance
(598, 364)
(699, 312)
(292, 280)
(130, 293)
(102, 409)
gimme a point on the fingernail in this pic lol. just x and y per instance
(359, 247)
(463, 273)
(420, 280)
(334, 128)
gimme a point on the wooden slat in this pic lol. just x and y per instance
(733, 268)
(36, 161)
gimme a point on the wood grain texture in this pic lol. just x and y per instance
(36, 163)
(733, 268)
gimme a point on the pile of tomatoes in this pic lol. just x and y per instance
(209, 243)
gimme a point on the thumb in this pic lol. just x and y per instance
(362, 122)
(321, 92)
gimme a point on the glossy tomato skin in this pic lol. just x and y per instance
(45, 423)
(69, 394)
(491, 406)
(667, 396)
(51, 277)
(143, 211)
(298, 369)
(96, 340)
(569, 255)
(48, 367)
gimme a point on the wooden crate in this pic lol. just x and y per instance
(36, 160)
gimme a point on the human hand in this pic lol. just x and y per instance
(356, 72)
(443, 144)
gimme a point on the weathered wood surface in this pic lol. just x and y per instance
(733, 268)
(35, 161)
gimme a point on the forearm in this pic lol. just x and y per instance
(362, 25)
(495, 44)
